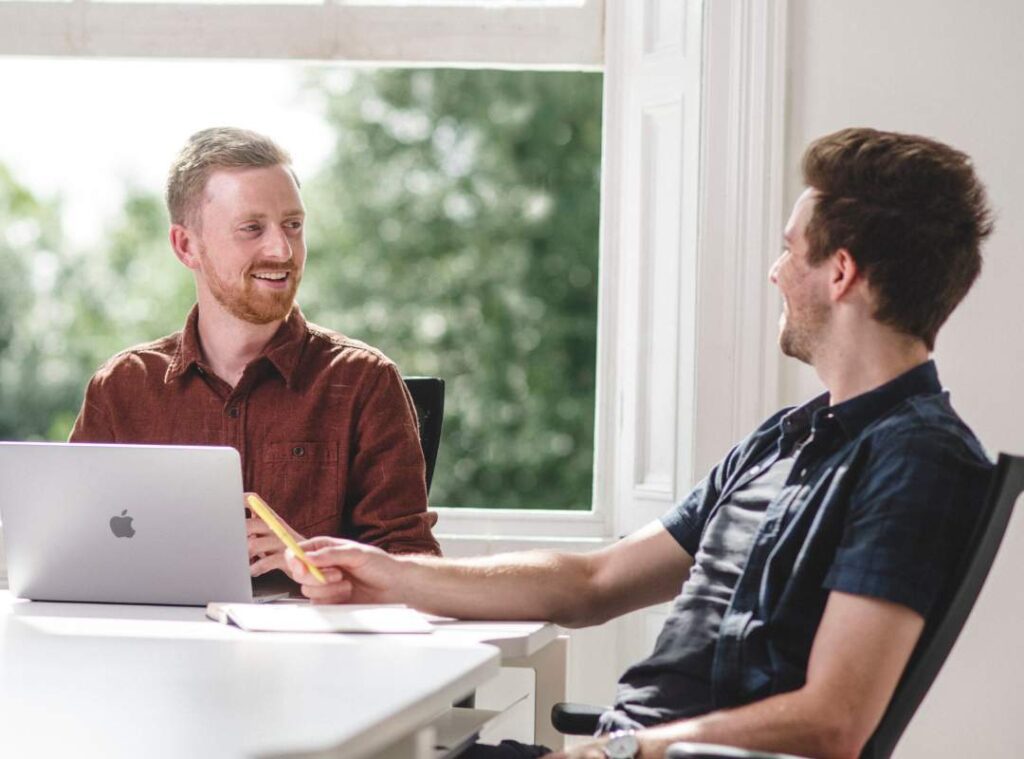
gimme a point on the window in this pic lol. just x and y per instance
(665, 92)
(454, 218)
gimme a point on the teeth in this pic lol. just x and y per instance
(273, 276)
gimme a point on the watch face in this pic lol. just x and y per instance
(622, 746)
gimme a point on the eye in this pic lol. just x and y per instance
(294, 224)
(251, 227)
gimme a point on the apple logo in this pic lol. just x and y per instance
(122, 526)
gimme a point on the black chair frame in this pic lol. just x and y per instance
(428, 397)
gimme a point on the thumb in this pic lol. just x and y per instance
(334, 552)
(296, 568)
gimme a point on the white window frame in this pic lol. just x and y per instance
(726, 379)
(549, 34)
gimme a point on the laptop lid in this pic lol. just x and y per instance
(124, 523)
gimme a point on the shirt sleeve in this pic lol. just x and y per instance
(906, 518)
(93, 424)
(685, 522)
(386, 495)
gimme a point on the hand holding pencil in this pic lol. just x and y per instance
(258, 539)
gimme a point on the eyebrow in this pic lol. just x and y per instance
(254, 215)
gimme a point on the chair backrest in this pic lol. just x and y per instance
(428, 395)
(953, 607)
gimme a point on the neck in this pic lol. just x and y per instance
(229, 343)
(852, 367)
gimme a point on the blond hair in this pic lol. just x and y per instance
(216, 148)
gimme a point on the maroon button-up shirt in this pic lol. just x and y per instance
(324, 424)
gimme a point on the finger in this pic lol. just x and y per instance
(266, 564)
(265, 545)
(347, 555)
(299, 572)
(333, 593)
(296, 568)
(320, 542)
(256, 526)
(284, 523)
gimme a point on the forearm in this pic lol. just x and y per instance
(527, 585)
(800, 722)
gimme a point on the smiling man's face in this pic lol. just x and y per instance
(252, 246)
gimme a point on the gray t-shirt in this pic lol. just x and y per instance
(675, 681)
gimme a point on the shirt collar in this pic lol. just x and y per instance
(282, 352)
(855, 414)
(285, 348)
(858, 412)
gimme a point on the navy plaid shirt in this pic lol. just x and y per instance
(876, 505)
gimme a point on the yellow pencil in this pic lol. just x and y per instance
(263, 511)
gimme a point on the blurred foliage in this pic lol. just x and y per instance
(62, 312)
(455, 227)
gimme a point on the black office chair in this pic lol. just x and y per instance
(940, 633)
(428, 395)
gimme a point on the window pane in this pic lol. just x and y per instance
(453, 224)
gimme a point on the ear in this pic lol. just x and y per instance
(844, 276)
(185, 243)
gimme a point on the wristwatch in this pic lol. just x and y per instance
(622, 744)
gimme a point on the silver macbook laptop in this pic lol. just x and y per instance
(124, 523)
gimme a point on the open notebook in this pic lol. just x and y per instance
(349, 618)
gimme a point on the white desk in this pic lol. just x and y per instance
(84, 680)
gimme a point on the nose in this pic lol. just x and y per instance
(278, 246)
(773, 273)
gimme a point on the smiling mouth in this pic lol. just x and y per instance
(271, 276)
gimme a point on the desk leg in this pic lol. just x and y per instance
(549, 664)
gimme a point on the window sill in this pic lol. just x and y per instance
(500, 524)
(463, 546)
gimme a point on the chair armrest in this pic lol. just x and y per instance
(576, 719)
(714, 751)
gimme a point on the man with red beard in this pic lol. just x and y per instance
(324, 425)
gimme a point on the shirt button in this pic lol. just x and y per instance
(803, 472)
(755, 469)
(233, 412)
(298, 451)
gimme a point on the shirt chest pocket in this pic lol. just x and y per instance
(301, 480)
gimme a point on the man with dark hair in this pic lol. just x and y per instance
(911, 213)
(804, 566)
(324, 424)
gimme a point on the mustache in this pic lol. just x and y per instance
(272, 266)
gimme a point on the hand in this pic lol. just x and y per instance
(266, 551)
(355, 573)
(592, 750)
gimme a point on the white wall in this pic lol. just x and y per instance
(955, 71)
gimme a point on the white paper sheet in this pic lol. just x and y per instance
(348, 618)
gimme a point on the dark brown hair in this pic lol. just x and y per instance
(912, 214)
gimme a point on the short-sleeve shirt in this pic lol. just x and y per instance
(876, 504)
(324, 424)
